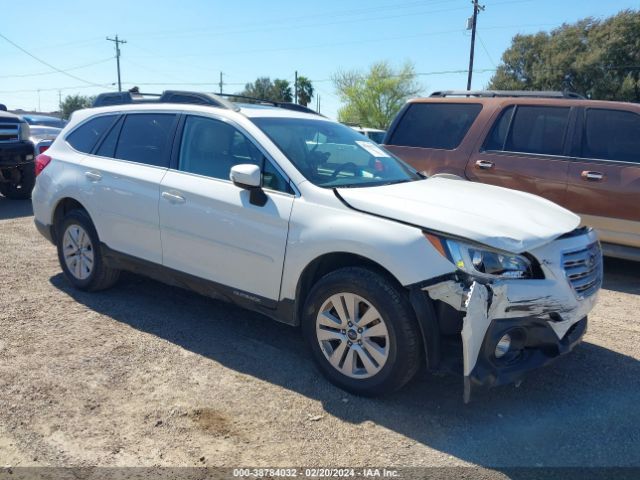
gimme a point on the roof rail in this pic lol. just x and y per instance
(507, 93)
(197, 98)
(260, 101)
(168, 96)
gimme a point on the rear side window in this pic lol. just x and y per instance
(84, 137)
(611, 135)
(146, 138)
(435, 125)
(538, 130)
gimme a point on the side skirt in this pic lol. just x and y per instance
(282, 311)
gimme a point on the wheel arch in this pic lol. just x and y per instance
(330, 262)
(64, 206)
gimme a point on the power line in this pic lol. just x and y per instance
(38, 74)
(48, 64)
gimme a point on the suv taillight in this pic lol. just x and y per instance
(42, 161)
(43, 148)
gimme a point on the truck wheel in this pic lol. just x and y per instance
(22, 189)
(80, 254)
(362, 331)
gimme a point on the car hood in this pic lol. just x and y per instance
(494, 216)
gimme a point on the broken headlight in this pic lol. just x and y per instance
(483, 261)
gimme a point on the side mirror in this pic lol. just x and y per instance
(246, 176)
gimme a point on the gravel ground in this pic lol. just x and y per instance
(149, 375)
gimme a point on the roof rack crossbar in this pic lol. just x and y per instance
(506, 93)
(168, 96)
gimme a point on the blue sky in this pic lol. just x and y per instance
(174, 44)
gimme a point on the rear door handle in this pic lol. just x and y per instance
(484, 164)
(93, 176)
(173, 197)
(592, 176)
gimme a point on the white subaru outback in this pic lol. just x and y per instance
(302, 219)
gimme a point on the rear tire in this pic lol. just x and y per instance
(80, 254)
(362, 331)
(21, 190)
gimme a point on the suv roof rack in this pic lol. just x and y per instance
(260, 101)
(194, 98)
(507, 93)
(168, 96)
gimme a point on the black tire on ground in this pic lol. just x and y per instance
(21, 190)
(102, 276)
(405, 344)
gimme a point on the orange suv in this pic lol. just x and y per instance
(582, 154)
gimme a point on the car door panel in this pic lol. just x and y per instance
(126, 197)
(541, 176)
(217, 234)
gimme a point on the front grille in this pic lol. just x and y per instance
(9, 132)
(583, 269)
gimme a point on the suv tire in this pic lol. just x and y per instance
(362, 331)
(21, 190)
(80, 254)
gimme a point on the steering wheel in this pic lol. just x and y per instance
(344, 167)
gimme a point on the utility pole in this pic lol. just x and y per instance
(295, 89)
(117, 42)
(221, 84)
(474, 20)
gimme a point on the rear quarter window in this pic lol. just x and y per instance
(435, 125)
(85, 137)
(611, 135)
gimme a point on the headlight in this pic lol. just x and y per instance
(25, 131)
(482, 261)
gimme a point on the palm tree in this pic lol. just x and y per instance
(305, 90)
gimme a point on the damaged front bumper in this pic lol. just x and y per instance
(543, 318)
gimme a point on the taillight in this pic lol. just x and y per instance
(42, 161)
(43, 148)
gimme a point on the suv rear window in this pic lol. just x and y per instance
(84, 138)
(611, 135)
(529, 129)
(435, 125)
(145, 138)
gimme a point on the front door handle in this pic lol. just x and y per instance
(592, 176)
(484, 164)
(93, 176)
(173, 197)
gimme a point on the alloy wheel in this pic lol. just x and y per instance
(352, 335)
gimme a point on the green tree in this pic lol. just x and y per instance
(263, 88)
(281, 91)
(596, 58)
(374, 98)
(305, 90)
(71, 103)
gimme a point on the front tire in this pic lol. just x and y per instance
(80, 254)
(362, 331)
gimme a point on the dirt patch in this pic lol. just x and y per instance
(211, 421)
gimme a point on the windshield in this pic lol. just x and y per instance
(333, 155)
